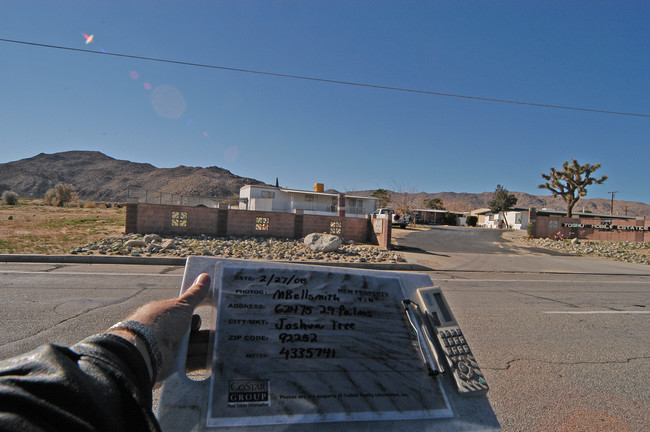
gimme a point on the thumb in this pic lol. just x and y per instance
(197, 292)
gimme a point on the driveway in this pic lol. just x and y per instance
(490, 250)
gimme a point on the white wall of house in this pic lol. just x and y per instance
(517, 219)
(268, 198)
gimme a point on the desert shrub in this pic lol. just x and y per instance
(530, 229)
(9, 198)
(472, 220)
(90, 204)
(49, 197)
(61, 195)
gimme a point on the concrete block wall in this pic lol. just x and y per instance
(549, 226)
(157, 218)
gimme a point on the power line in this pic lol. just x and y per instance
(324, 80)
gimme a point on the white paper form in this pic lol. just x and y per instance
(297, 345)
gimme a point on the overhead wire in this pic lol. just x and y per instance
(324, 80)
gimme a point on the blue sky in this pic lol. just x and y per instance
(584, 54)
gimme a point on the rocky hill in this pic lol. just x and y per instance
(96, 176)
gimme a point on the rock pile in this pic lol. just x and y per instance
(271, 249)
(632, 252)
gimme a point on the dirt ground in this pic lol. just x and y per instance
(33, 228)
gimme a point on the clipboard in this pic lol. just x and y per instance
(306, 347)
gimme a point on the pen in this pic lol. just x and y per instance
(427, 349)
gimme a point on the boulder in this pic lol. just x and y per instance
(134, 243)
(168, 244)
(323, 242)
(152, 238)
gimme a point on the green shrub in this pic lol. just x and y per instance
(472, 220)
(9, 198)
(530, 229)
(450, 218)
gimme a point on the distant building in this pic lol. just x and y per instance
(271, 198)
(437, 217)
(516, 217)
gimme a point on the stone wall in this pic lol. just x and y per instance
(184, 220)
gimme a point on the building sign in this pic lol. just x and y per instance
(607, 227)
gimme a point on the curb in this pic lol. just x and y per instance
(112, 259)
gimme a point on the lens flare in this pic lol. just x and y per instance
(134, 75)
(147, 86)
(168, 102)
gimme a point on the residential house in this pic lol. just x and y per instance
(516, 218)
(317, 202)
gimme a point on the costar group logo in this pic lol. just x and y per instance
(248, 392)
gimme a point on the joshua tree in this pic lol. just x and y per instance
(571, 182)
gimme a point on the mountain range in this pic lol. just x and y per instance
(96, 176)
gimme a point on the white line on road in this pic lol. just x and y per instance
(549, 281)
(596, 312)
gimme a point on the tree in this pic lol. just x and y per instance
(571, 182)
(434, 203)
(383, 197)
(502, 201)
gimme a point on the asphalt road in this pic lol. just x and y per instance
(563, 341)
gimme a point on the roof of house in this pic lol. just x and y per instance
(309, 192)
(554, 212)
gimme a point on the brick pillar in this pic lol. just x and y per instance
(131, 225)
(341, 204)
(222, 223)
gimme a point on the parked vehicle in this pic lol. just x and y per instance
(397, 219)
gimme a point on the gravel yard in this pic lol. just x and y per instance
(242, 248)
(632, 252)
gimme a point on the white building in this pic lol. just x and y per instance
(270, 198)
(517, 218)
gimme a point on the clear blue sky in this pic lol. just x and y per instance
(584, 54)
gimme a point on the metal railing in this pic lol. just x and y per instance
(141, 195)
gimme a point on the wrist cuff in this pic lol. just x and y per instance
(150, 342)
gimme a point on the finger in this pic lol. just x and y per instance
(197, 292)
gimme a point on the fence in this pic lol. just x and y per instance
(146, 218)
(145, 196)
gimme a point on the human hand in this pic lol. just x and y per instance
(169, 320)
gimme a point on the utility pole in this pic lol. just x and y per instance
(611, 210)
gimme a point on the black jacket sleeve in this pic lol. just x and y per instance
(100, 384)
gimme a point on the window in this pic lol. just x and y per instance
(261, 224)
(335, 227)
(552, 224)
(179, 219)
(268, 194)
(517, 218)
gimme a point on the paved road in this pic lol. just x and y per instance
(563, 340)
